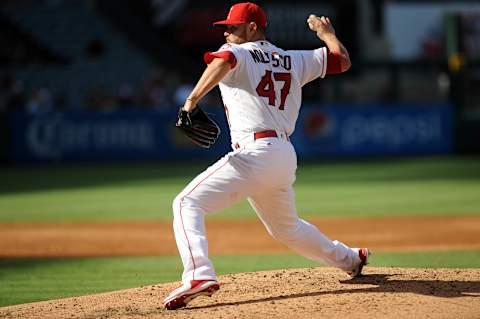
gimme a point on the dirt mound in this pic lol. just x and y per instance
(156, 238)
(294, 293)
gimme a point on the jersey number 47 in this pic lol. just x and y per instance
(266, 87)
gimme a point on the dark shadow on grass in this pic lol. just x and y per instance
(7, 265)
(51, 177)
(436, 288)
(68, 176)
(400, 170)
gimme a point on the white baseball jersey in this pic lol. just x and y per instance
(263, 89)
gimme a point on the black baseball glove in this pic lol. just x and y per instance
(198, 127)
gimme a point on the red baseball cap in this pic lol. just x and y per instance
(245, 12)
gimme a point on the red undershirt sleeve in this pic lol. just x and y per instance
(226, 55)
(334, 64)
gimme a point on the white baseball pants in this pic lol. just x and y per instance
(263, 171)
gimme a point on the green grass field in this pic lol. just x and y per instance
(411, 187)
(144, 192)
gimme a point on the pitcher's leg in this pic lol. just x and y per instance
(218, 187)
(277, 211)
(190, 235)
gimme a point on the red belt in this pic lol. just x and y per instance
(262, 134)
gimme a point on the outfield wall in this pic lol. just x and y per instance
(322, 132)
(4, 137)
(374, 130)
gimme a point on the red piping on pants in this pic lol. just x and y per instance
(181, 217)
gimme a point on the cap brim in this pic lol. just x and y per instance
(227, 22)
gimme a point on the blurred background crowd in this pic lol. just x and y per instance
(106, 55)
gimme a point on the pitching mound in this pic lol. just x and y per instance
(295, 293)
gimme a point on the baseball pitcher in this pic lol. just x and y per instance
(261, 88)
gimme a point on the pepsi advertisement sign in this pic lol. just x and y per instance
(374, 130)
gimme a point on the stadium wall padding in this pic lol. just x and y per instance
(321, 132)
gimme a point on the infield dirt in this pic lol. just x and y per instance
(232, 236)
(294, 293)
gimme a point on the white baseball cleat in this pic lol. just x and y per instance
(181, 296)
(363, 254)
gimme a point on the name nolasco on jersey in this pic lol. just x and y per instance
(260, 56)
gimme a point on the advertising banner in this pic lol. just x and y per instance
(321, 132)
(106, 137)
(374, 130)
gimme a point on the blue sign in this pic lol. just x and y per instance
(111, 136)
(339, 131)
(374, 130)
